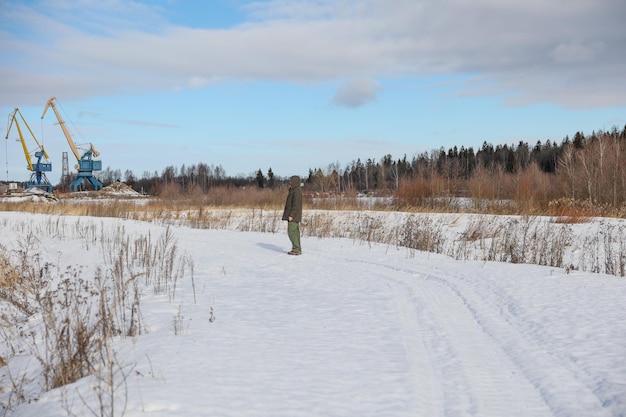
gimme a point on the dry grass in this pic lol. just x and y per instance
(529, 197)
(570, 211)
(9, 275)
(71, 316)
(260, 210)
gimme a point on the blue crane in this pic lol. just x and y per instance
(38, 177)
(85, 163)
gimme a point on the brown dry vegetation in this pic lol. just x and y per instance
(529, 193)
(79, 314)
(580, 178)
(9, 276)
(492, 191)
(588, 180)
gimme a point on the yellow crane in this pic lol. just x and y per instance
(86, 164)
(38, 177)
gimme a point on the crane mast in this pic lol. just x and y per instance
(38, 177)
(49, 104)
(86, 165)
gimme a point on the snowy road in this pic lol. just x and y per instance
(350, 329)
(419, 334)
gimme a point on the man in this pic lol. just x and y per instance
(293, 214)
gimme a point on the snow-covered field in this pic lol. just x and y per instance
(346, 329)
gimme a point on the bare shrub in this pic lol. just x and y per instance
(320, 225)
(79, 315)
(179, 322)
(605, 251)
(8, 273)
(478, 230)
(72, 336)
(165, 260)
(423, 234)
(169, 191)
(529, 240)
(616, 257)
(248, 197)
(109, 388)
(481, 185)
(346, 200)
(259, 220)
(524, 193)
(158, 262)
(17, 386)
(370, 228)
(414, 192)
(473, 239)
(568, 210)
(23, 276)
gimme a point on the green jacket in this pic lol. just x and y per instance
(293, 205)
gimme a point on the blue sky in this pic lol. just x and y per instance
(299, 84)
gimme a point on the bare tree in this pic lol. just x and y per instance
(567, 162)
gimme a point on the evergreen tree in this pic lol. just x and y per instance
(260, 179)
(579, 140)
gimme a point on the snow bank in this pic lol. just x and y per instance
(347, 329)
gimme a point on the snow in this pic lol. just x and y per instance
(33, 194)
(347, 329)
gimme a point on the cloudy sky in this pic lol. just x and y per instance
(299, 84)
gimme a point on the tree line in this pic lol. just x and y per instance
(585, 167)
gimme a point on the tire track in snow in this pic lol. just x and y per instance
(434, 360)
(517, 316)
(555, 382)
(445, 318)
(557, 379)
(476, 376)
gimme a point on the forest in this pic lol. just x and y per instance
(587, 169)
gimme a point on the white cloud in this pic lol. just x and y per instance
(517, 46)
(198, 82)
(573, 52)
(357, 92)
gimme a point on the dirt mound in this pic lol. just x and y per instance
(119, 188)
(31, 194)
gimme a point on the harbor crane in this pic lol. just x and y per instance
(38, 177)
(86, 164)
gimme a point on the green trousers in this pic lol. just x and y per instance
(293, 231)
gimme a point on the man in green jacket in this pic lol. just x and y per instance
(293, 214)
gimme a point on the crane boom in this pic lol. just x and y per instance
(86, 164)
(13, 120)
(38, 178)
(50, 103)
(19, 131)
